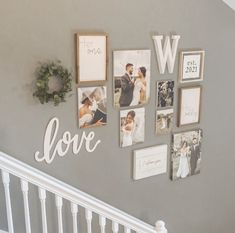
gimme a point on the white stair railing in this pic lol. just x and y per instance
(45, 183)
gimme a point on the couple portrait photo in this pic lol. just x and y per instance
(164, 121)
(132, 126)
(131, 77)
(186, 154)
(165, 96)
(92, 106)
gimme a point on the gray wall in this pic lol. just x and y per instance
(33, 31)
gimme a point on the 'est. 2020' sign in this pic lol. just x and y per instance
(62, 146)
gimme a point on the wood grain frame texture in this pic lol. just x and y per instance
(182, 53)
(180, 103)
(95, 82)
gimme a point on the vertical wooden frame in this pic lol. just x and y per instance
(180, 105)
(78, 58)
(184, 53)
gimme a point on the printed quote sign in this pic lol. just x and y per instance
(150, 161)
(191, 66)
(190, 105)
(91, 57)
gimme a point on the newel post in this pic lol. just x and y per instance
(160, 227)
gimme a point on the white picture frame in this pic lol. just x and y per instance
(150, 161)
(91, 57)
(191, 66)
(190, 105)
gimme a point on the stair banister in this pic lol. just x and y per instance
(65, 191)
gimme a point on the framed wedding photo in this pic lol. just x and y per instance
(189, 105)
(91, 58)
(191, 66)
(150, 161)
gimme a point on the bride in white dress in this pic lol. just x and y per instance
(183, 169)
(128, 129)
(139, 87)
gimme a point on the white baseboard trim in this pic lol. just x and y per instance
(3, 231)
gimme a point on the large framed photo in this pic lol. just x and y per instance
(186, 154)
(191, 66)
(91, 57)
(189, 105)
(132, 126)
(92, 106)
(150, 161)
(165, 93)
(131, 77)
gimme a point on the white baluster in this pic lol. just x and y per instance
(115, 227)
(6, 182)
(127, 230)
(102, 222)
(25, 190)
(42, 197)
(88, 220)
(74, 210)
(59, 204)
(160, 227)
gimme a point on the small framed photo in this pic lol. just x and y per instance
(186, 154)
(92, 106)
(189, 105)
(132, 126)
(131, 71)
(150, 161)
(165, 94)
(191, 66)
(91, 57)
(164, 121)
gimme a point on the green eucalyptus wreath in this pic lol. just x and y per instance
(44, 72)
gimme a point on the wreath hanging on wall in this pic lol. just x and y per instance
(52, 71)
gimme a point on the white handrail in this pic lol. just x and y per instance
(61, 189)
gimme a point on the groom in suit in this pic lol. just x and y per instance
(127, 86)
(195, 155)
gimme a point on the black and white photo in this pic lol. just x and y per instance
(132, 126)
(186, 154)
(131, 77)
(165, 94)
(92, 106)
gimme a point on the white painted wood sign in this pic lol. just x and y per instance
(60, 148)
(166, 54)
(91, 58)
(150, 161)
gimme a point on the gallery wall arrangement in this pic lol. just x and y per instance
(131, 93)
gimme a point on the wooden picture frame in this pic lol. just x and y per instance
(189, 105)
(150, 161)
(191, 66)
(91, 58)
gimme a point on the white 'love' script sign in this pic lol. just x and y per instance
(62, 146)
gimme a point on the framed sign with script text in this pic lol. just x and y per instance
(189, 105)
(191, 66)
(91, 57)
(150, 161)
